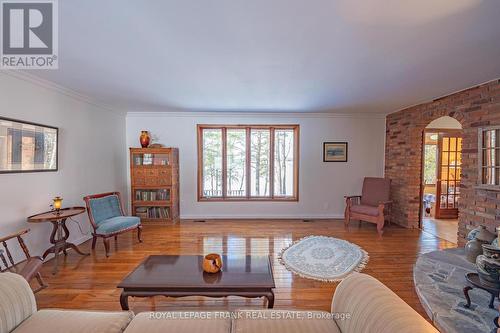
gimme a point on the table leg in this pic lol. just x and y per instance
(70, 245)
(59, 245)
(467, 297)
(77, 250)
(270, 299)
(124, 300)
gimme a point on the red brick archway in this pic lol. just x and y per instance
(473, 108)
(422, 157)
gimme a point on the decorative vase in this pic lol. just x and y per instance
(144, 139)
(473, 248)
(484, 235)
(481, 233)
(473, 233)
(212, 263)
(495, 243)
(488, 266)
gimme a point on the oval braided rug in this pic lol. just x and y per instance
(323, 258)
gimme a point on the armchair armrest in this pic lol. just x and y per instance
(373, 307)
(351, 196)
(388, 202)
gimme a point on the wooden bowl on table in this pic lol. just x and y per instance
(212, 263)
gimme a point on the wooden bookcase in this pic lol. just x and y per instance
(154, 175)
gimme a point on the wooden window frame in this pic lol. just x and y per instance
(480, 158)
(249, 197)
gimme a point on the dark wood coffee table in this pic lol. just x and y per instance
(179, 276)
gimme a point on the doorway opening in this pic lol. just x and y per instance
(441, 176)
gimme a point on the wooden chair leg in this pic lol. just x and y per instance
(106, 246)
(380, 225)
(139, 232)
(116, 238)
(380, 228)
(41, 282)
(94, 240)
(380, 219)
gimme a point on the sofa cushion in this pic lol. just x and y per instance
(365, 210)
(283, 321)
(17, 301)
(180, 322)
(64, 321)
(118, 223)
(105, 208)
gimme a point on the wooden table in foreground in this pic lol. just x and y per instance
(179, 276)
(60, 233)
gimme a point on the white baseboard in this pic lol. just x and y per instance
(290, 217)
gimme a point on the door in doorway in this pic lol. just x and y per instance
(449, 171)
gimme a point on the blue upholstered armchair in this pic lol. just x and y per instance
(108, 219)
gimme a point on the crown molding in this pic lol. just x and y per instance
(252, 114)
(33, 79)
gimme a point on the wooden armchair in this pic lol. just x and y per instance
(29, 269)
(372, 205)
(108, 218)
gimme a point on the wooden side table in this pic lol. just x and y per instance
(60, 233)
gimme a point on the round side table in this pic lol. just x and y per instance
(60, 233)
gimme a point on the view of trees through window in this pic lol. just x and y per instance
(248, 161)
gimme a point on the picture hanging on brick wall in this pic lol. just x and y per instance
(334, 151)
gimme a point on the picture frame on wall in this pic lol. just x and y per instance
(27, 146)
(334, 151)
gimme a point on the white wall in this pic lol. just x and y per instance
(321, 185)
(92, 158)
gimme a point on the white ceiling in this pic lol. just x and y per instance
(275, 55)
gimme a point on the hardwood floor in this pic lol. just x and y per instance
(90, 282)
(446, 229)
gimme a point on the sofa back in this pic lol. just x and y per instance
(17, 301)
(374, 308)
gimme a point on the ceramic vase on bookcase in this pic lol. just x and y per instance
(144, 139)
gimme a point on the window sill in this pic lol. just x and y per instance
(288, 199)
(495, 188)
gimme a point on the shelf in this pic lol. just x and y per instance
(151, 203)
(156, 221)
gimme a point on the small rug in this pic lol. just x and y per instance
(323, 258)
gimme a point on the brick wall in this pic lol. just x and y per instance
(473, 108)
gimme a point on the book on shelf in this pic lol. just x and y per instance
(147, 159)
(153, 212)
(152, 195)
(138, 160)
(158, 160)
